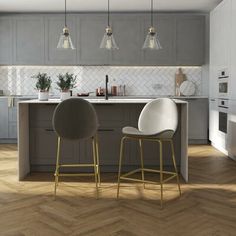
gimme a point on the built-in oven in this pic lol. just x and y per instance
(223, 105)
(223, 87)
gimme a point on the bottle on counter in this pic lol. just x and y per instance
(121, 90)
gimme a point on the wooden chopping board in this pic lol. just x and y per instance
(180, 77)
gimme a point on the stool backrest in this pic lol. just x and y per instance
(158, 116)
(75, 118)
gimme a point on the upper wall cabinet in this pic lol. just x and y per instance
(28, 43)
(165, 27)
(91, 28)
(128, 31)
(53, 29)
(32, 39)
(5, 40)
(190, 39)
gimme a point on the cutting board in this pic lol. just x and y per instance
(180, 77)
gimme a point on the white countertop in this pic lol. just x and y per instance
(101, 101)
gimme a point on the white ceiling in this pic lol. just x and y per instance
(101, 5)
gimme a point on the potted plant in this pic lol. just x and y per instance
(43, 85)
(66, 83)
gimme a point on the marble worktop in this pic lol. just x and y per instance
(100, 100)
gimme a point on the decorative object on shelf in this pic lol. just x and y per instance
(180, 77)
(65, 41)
(151, 42)
(187, 88)
(43, 85)
(66, 83)
(108, 41)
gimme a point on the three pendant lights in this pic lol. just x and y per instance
(108, 42)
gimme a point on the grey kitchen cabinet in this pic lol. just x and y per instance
(190, 38)
(53, 29)
(28, 40)
(165, 27)
(198, 120)
(128, 31)
(89, 36)
(3, 118)
(6, 31)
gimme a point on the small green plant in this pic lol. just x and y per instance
(44, 82)
(66, 82)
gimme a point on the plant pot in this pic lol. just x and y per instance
(43, 95)
(65, 95)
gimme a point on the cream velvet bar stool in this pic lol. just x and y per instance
(76, 119)
(157, 122)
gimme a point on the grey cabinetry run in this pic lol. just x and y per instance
(28, 44)
(190, 38)
(89, 36)
(6, 40)
(165, 27)
(53, 29)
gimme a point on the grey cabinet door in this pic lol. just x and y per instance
(198, 119)
(190, 37)
(6, 29)
(165, 27)
(127, 30)
(28, 40)
(53, 29)
(91, 28)
(3, 118)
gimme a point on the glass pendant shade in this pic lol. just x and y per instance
(151, 42)
(65, 41)
(108, 41)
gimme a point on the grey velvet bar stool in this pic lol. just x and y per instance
(157, 122)
(75, 119)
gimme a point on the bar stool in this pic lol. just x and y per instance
(76, 119)
(157, 122)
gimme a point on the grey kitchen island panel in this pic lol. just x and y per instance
(38, 142)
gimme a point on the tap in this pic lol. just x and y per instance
(106, 90)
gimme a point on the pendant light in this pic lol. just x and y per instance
(65, 41)
(151, 42)
(108, 41)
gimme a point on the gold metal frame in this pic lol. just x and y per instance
(142, 169)
(95, 165)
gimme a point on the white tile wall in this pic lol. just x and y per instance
(138, 80)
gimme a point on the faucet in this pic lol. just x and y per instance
(106, 91)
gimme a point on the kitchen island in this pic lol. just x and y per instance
(37, 140)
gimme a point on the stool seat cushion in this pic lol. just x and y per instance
(134, 132)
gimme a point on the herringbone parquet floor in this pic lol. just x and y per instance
(206, 208)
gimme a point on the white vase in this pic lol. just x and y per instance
(43, 95)
(65, 95)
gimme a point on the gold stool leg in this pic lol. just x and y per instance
(120, 163)
(141, 159)
(95, 165)
(98, 164)
(161, 172)
(174, 162)
(57, 166)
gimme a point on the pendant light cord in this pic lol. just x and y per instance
(152, 13)
(108, 15)
(65, 14)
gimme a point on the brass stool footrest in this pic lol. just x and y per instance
(125, 176)
(75, 174)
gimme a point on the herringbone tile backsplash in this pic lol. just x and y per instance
(16, 80)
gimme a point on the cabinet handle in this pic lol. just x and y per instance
(106, 130)
(49, 130)
(213, 100)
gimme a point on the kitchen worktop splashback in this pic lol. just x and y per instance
(16, 80)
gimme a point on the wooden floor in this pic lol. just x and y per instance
(206, 208)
